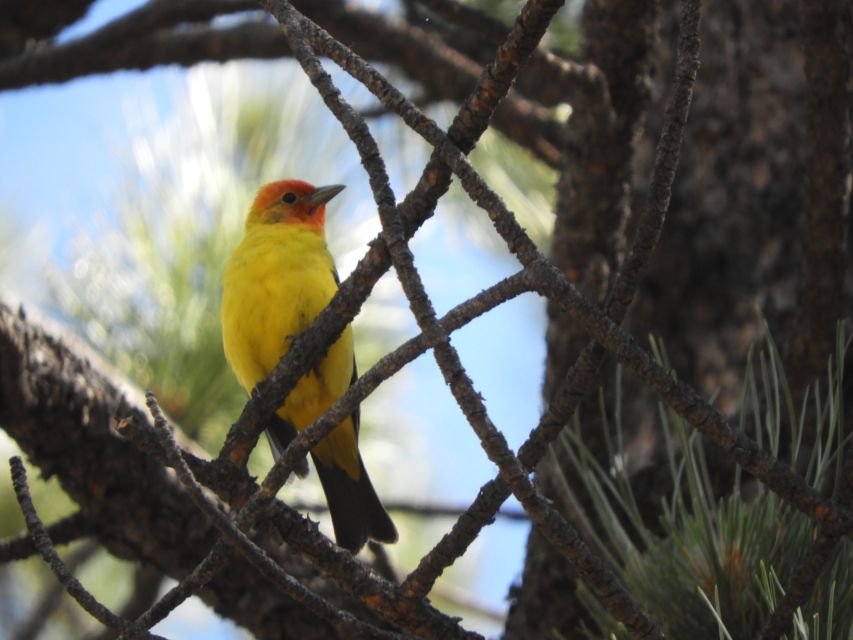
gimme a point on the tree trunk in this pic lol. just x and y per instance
(731, 245)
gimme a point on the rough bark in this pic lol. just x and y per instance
(732, 243)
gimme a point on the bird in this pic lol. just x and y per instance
(277, 280)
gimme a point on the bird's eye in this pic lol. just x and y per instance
(288, 198)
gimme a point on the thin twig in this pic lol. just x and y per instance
(48, 552)
(567, 81)
(799, 589)
(147, 581)
(147, 37)
(64, 531)
(424, 510)
(53, 594)
(203, 573)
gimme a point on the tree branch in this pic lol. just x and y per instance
(186, 47)
(45, 547)
(64, 531)
(811, 565)
(147, 581)
(424, 510)
(300, 534)
(53, 594)
(548, 78)
(504, 221)
(144, 39)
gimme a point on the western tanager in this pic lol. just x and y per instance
(276, 282)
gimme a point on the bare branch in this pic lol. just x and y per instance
(517, 240)
(425, 510)
(801, 585)
(64, 531)
(53, 595)
(300, 534)
(186, 47)
(45, 547)
(548, 79)
(146, 587)
(144, 39)
(201, 575)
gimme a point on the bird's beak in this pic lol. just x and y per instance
(323, 194)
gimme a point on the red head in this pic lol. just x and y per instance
(292, 202)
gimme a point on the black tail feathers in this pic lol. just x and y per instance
(281, 433)
(357, 514)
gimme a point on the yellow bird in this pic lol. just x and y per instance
(276, 282)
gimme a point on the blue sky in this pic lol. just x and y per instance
(59, 166)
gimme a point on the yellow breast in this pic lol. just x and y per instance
(275, 283)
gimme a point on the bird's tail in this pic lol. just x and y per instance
(357, 514)
(281, 433)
